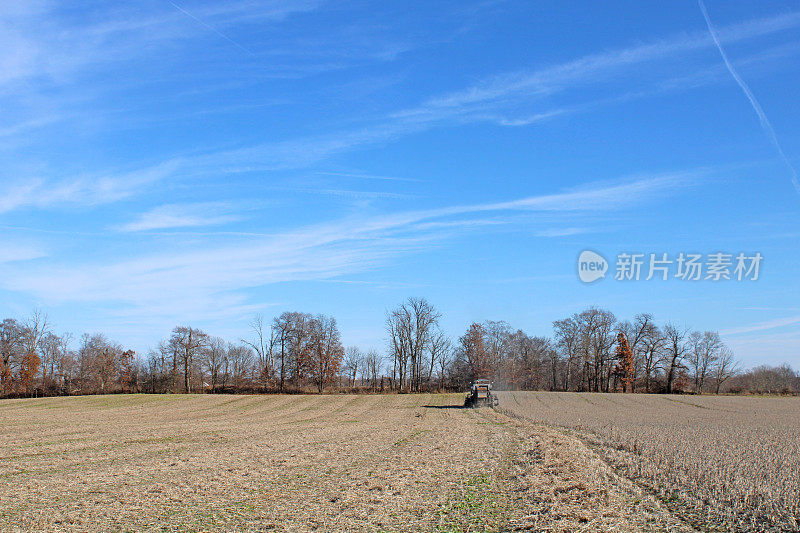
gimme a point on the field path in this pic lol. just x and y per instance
(301, 463)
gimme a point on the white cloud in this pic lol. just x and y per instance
(532, 119)
(563, 232)
(500, 90)
(362, 175)
(196, 281)
(487, 100)
(183, 216)
(37, 41)
(762, 326)
(18, 252)
(593, 197)
(84, 191)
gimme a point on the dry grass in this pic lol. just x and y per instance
(733, 462)
(302, 463)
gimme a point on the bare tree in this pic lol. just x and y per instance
(496, 342)
(445, 361)
(409, 327)
(635, 334)
(528, 354)
(213, 360)
(188, 342)
(104, 360)
(154, 372)
(282, 325)
(674, 353)
(551, 356)
(440, 349)
(353, 361)
(304, 349)
(298, 353)
(326, 350)
(704, 349)
(10, 343)
(263, 345)
(66, 364)
(651, 347)
(567, 340)
(597, 328)
(240, 358)
(167, 365)
(724, 368)
(373, 363)
(49, 348)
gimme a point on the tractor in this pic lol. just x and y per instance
(481, 394)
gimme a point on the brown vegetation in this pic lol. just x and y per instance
(302, 463)
(731, 462)
(300, 352)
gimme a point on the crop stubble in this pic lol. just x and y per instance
(727, 462)
(302, 463)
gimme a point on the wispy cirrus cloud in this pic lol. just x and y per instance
(44, 41)
(89, 190)
(11, 251)
(592, 197)
(505, 89)
(172, 216)
(510, 99)
(186, 281)
(498, 99)
(366, 176)
(763, 326)
(564, 232)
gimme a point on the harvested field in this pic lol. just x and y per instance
(728, 461)
(303, 463)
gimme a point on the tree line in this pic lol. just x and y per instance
(592, 350)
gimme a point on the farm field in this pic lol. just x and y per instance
(303, 463)
(729, 461)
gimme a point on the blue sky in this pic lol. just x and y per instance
(197, 162)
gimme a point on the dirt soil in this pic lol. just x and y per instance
(302, 463)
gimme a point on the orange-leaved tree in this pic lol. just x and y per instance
(625, 357)
(28, 368)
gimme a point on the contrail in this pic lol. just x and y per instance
(210, 27)
(765, 123)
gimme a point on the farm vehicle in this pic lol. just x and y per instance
(480, 394)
